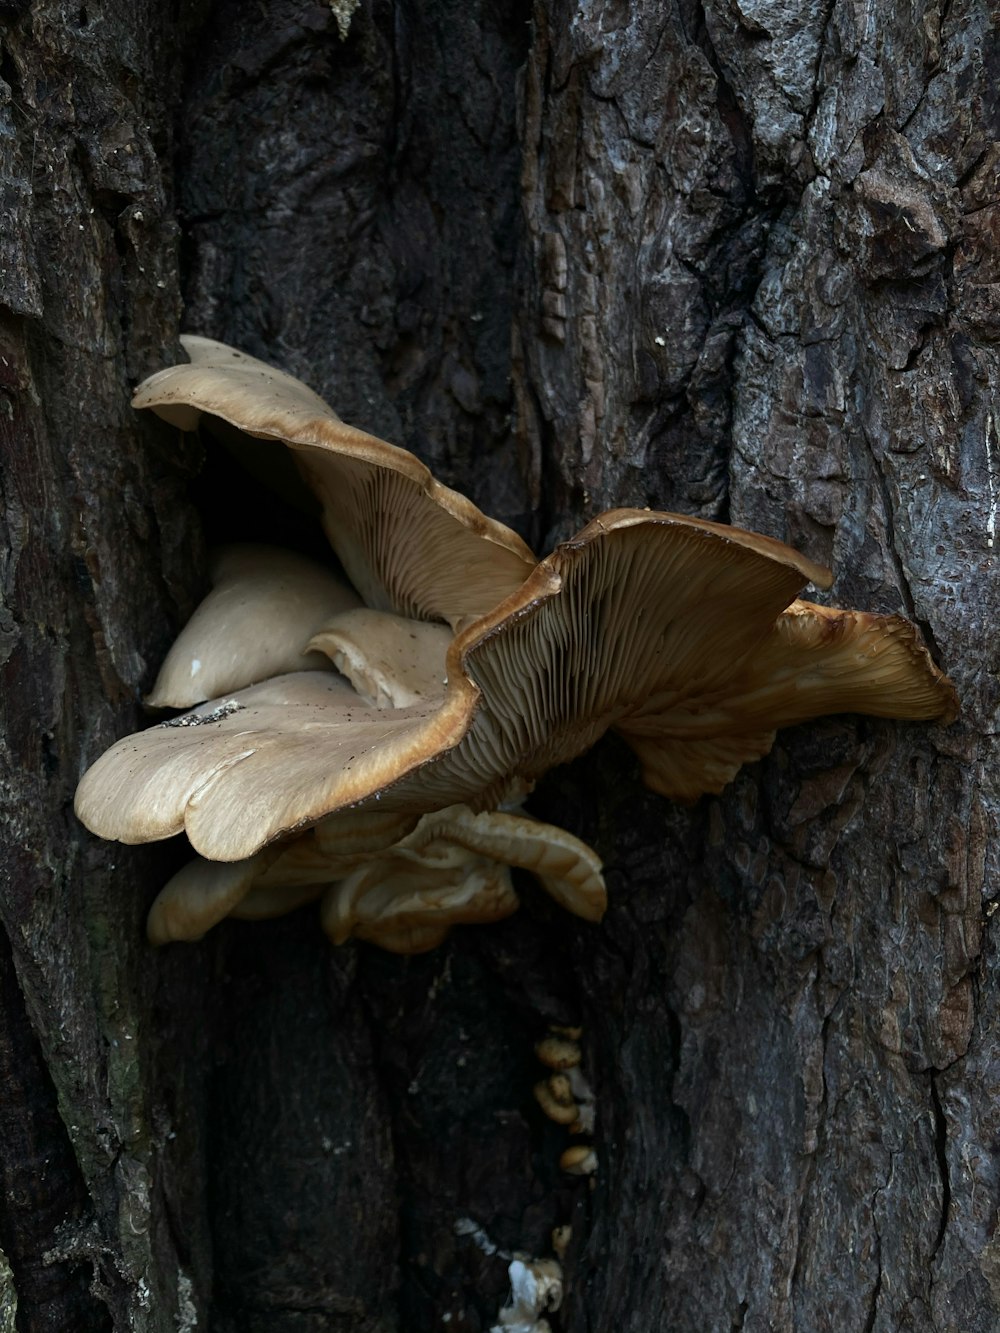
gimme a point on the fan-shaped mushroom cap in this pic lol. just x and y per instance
(568, 869)
(555, 1096)
(815, 660)
(407, 543)
(238, 773)
(274, 881)
(646, 622)
(264, 607)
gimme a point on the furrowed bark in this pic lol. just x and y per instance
(733, 260)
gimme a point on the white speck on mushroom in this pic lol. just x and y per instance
(195, 666)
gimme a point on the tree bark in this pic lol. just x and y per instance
(736, 260)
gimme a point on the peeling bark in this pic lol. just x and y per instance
(736, 260)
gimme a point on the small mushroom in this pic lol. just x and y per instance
(555, 1097)
(580, 1160)
(561, 1238)
(200, 895)
(407, 902)
(391, 661)
(393, 880)
(586, 1103)
(558, 1052)
(570, 1033)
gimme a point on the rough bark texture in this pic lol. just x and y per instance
(735, 259)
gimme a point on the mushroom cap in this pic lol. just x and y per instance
(649, 623)
(406, 901)
(580, 1160)
(238, 773)
(201, 894)
(407, 543)
(558, 1052)
(264, 607)
(556, 1101)
(391, 661)
(816, 660)
(383, 874)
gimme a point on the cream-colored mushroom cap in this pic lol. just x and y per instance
(264, 607)
(407, 543)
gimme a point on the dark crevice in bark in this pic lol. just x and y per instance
(941, 1153)
(877, 1288)
(821, 51)
(809, 1177)
(910, 608)
(42, 1192)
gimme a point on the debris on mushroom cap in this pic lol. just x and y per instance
(380, 504)
(264, 607)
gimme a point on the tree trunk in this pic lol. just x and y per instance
(735, 260)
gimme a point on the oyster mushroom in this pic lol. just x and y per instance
(685, 636)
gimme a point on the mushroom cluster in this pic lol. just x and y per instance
(369, 741)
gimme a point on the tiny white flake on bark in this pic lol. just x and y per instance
(343, 11)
